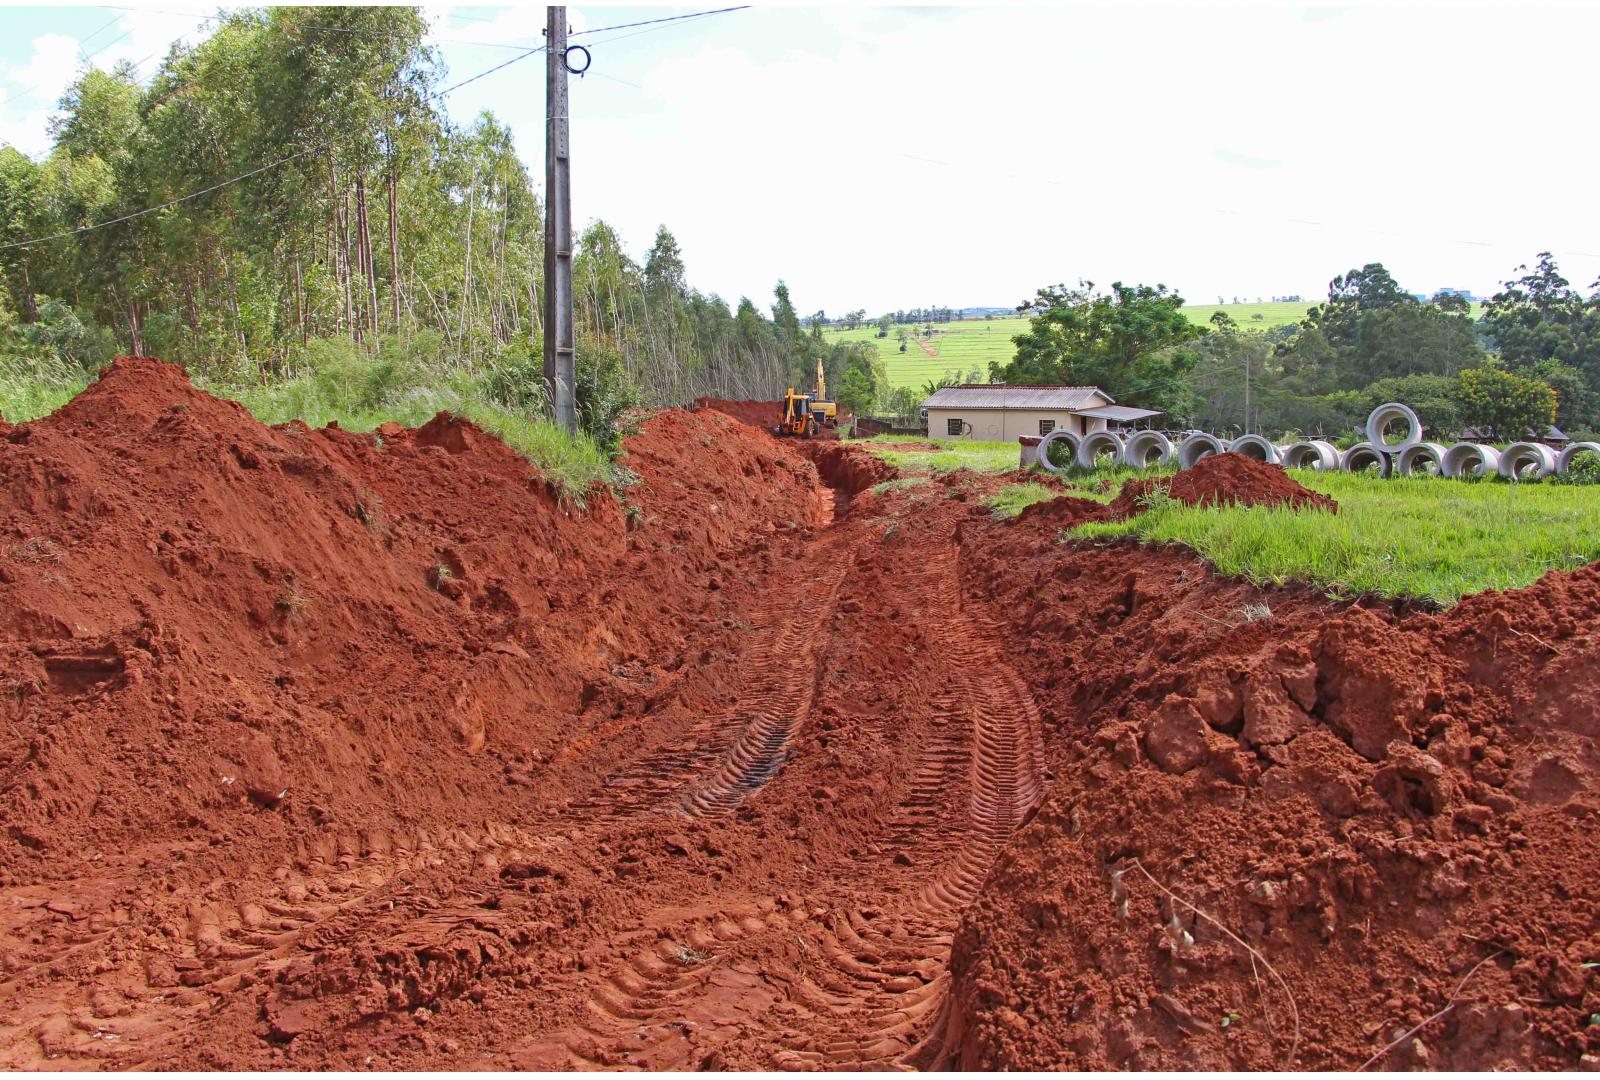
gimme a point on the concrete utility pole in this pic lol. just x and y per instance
(558, 334)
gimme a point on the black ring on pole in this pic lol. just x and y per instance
(567, 59)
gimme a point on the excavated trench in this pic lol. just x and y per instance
(338, 751)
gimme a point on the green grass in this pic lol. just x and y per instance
(952, 454)
(31, 388)
(1417, 537)
(1272, 315)
(1013, 499)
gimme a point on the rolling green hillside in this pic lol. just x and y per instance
(959, 348)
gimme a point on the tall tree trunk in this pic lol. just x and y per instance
(367, 259)
(466, 281)
(30, 310)
(345, 273)
(299, 297)
(394, 245)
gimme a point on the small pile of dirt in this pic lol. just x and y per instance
(1064, 512)
(1224, 479)
(1376, 801)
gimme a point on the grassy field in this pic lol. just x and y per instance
(957, 348)
(1420, 537)
(1271, 315)
(1416, 537)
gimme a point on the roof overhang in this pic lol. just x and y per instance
(1124, 413)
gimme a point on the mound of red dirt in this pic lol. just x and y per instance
(218, 633)
(762, 414)
(1225, 479)
(1284, 832)
(1064, 512)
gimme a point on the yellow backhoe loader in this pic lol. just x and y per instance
(806, 414)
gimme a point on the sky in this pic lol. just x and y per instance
(885, 158)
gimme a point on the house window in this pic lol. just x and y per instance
(1046, 426)
(953, 426)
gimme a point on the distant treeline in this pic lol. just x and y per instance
(1532, 358)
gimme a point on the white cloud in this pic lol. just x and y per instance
(29, 91)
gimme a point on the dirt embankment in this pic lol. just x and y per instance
(1222, 479)
(1374, 801)
(762, 414)
(205, 619)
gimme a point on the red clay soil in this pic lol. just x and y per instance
(337, 750)
(762, 414)
(1225, 478)
(1370, 803)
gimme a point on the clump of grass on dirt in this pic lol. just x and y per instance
(1013, 499)
(574, 463)
(899, 483)
(1105, 484)
(1419, 537)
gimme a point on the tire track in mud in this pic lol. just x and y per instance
(746, 744)
(896, 962)
(785, 679)
(833, 983)
(330, 890)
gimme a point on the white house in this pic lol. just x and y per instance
(1002, 413)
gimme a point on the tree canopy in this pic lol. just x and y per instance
(1131, 341)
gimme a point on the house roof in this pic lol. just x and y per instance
(1001, 396)
(1120, 413)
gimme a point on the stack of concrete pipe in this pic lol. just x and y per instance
(1408, 456)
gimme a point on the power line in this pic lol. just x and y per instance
(652, 22)
(170, 202)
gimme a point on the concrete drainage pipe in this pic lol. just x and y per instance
(1363, 456)
(1146, 448)
(1378, 427)
(1470, 459)
(1312, 454)
(1255, 447)
(1527, 461)
(1092, 445)
(1570, 454)
(1069, 443)
(1197, 446)
(1424, 459)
